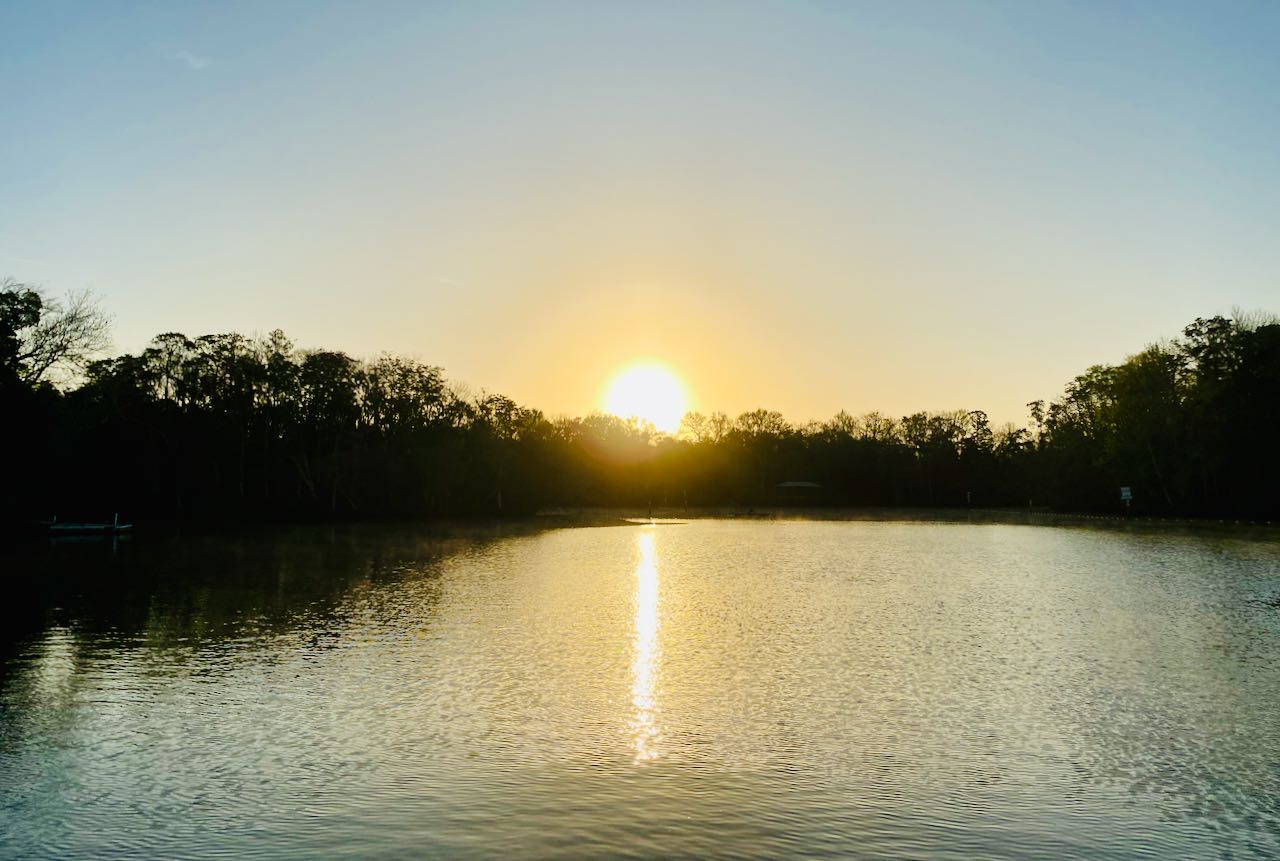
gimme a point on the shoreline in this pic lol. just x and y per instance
(622, 515)
(573, 517)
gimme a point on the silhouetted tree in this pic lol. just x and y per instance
(39, 335)
(226, 425)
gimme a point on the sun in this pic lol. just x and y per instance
(647, 391)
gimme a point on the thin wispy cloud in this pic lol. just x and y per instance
(190, 59)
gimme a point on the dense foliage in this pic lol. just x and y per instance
(228, 426)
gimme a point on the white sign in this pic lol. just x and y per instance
(1126, 493)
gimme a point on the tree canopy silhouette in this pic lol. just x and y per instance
(230, 426)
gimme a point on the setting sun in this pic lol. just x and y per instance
(649, 392)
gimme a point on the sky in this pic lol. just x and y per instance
(807, 207)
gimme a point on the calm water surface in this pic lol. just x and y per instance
(713, 689)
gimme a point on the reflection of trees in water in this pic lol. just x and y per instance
(191, 592)
(165, 606)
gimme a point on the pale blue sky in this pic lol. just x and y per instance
(809, 207)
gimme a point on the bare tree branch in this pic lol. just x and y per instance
(51, 338)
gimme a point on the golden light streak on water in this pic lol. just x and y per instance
(645, 732)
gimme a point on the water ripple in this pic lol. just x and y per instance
(725, 689)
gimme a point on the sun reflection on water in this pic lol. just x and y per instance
(645, 733)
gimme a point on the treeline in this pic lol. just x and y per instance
(226, 426)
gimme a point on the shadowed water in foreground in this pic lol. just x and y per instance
(714, 688)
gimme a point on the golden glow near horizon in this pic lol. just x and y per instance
(644, 715)
(650, 392)
(812, 244)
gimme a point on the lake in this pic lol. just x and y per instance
(719, 688)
